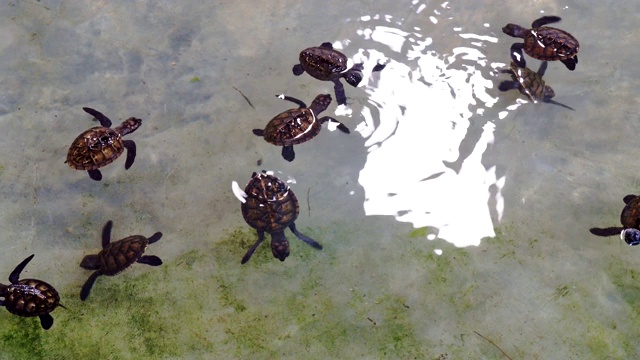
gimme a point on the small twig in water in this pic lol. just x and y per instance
(244, 96)
(494, 344)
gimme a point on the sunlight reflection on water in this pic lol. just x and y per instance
(425, 104)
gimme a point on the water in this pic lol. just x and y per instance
(450, 209)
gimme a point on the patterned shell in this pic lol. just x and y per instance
(95, 148)
(548, 43)
(323, 63)
(120, 254)
(292, 127)
(630, 217)
(531, 83)
(31, 297)
(270, 204)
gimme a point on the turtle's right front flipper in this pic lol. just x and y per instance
(611, 231)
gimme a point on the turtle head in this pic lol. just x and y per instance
(548, 92)
(279, 245)
(128, 126)
(514, 30)
(320, 103)
(630, 236)
(91, 262)
(353, 76)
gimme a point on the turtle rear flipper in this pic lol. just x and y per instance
(288, 153)
(46, 321)
(508, 85)
(306, 239)
(86, 288)
(570, 63)
(611, 231)
(297, 70)
(95, 174)
(258, 132)
(150, 260)
(253, 248)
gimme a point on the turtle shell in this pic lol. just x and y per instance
(531, 83)
(270, 204)
(548, 43)
(95, 148)
(31, 297)
(630, 217)
(120, 254)
(292, 127)
(323, 63)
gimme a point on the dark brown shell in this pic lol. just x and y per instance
(270, 204)
(292, 127)
(531, 83)
(95, 148)
(323, 63)
(120, 254)
(548, 43)
(630, 217)
(31, 297)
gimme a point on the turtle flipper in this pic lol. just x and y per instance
(150, 260)
(46, 321)
(326, 45)
(340, 125)
(86, 288)
(508, 85)
(611, 231)
(338, 88)
(253, 248)
(288, 153)
(106, 234)
(627, 199)
(305, 238)
(297, 69)
(545, 20)
(543, 68)
(298, 102)
(378, 67)
(517, 56)
(15, 274)
(104, 121)
(155, 237)
(95, 174)
(570, 63)
(131, 153)
(258, 132)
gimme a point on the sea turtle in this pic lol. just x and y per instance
(543, 43)
(530, 83)
(29, 297)
(630, 219)
(117, 256)
(271, 206)
(327, 64)
(101, 145)
(296, 126)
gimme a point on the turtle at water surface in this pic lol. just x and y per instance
(299, 125)
(543, 43)
(630, 219)
(101, 145)
(117, 256)
(327, 64)
(271, 206)
(29, 297)
(530, 83)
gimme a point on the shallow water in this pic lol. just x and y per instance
(450, 209)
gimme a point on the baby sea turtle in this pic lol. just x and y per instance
(117, 256)
(270, 205)
(296, 126)
(530, 83)
(101, 145)
(29, 297)
(326, 64)
(630, 219)
(543, 43)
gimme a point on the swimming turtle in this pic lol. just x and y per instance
(630, 219)
(117, 256)
(296, 126)
(29, 297)
(543, 43)
(271, 206)
(327, 64)
(101, 145)
(530, 83)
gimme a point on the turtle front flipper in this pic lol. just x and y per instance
(378, 67)
(288, 153)
(508, 85)
(611, 231)
(150, 260)
(86, 288)
(339, 125)
(106, 234)
(298, 102)
(155, 237)
(517, 56)
(253, 248)
(104, 121)
(258, 132)
(95, 174)
(338, 88)
(545, 20)
(297, 69)
(131, 153)
(570, 63)
(46, 321)
(15, 274)
(306, 239)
